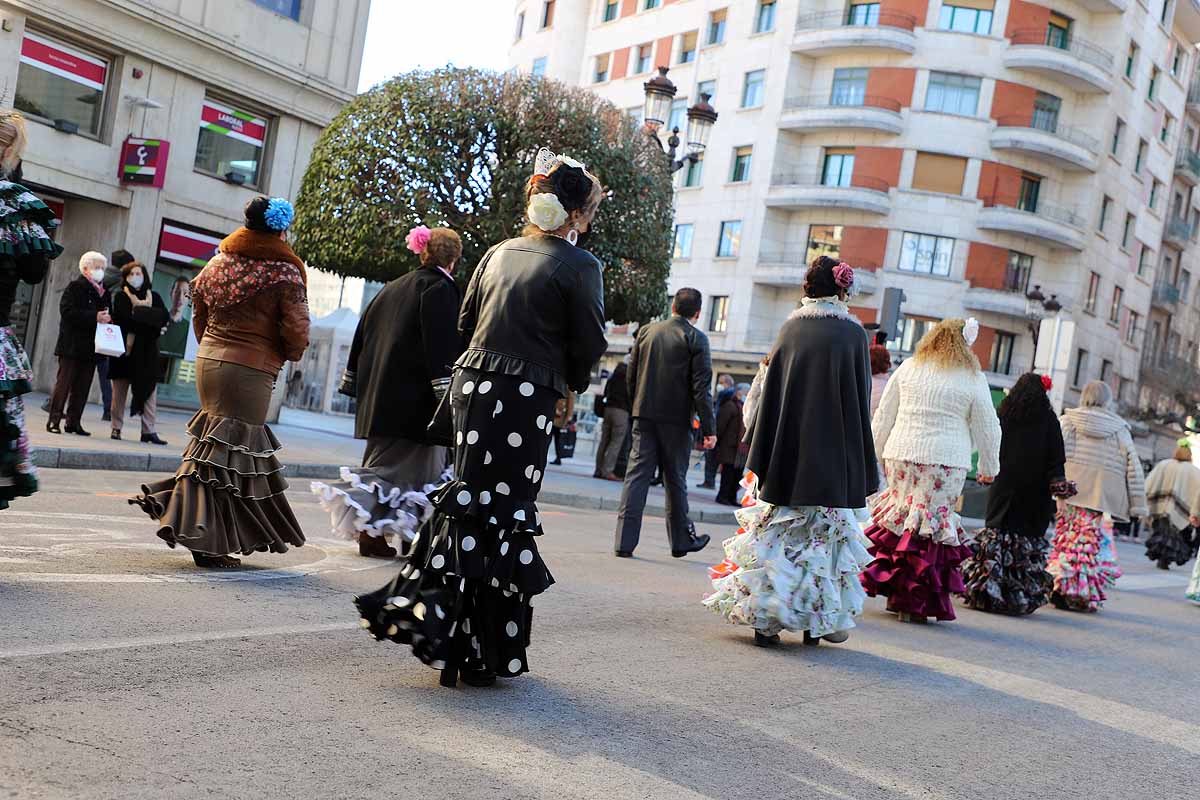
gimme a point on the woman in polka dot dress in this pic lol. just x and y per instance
(534, 317)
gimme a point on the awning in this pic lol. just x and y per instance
(228, 121)
(186, 246)
(63, 61)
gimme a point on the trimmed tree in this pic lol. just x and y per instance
(455, 147)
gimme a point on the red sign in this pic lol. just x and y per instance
(63, 61)
(57, 207)
(228, 121)
(144, 161)
(185, 245)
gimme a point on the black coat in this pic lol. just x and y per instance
(810, 441)
(77, 326)
(730, 429)
(407, 337)
(140, 326)
(670, 374)
(616, 390)
(1031, 458)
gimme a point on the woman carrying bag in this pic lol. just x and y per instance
(141, 315)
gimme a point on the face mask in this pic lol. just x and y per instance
(136, 282)
(96, 275)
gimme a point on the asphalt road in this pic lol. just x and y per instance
(126, 673)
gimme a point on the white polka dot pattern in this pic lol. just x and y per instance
(514, 665)
(526, 389)
(472, 437)
(485, 387)
(511, 630)
(468, 544)
(468, 387)
(464, 498)
(514, 440)
(438, 561)
(526, 557)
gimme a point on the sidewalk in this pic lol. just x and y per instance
(309, 453)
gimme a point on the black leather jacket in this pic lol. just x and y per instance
(670, 374)
(535, 309)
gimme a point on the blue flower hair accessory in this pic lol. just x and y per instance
(279, 214)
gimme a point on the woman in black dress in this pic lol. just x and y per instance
(533, 315)
(1007, 573)
(142, 316)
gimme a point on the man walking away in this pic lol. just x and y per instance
(616, 422)
(669, 375)
(730, 432)
(724, 392)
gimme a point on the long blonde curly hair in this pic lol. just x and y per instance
(945, 347)
(12, 140)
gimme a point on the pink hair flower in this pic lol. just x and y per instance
(417, 239)
(843, 275)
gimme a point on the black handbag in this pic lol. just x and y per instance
(440, 430)
(348, 385)
(566, 444)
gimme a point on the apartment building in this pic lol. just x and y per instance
(965, 151)
(152, 122)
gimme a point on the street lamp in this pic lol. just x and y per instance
(1037, 308)
(660, 93)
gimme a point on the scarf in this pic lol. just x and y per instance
(824, 307)
(247, 264)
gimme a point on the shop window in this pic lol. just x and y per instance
(926, 254)
(718, 317)
(285, 8)
(730, 242)
(232, 143)
(57, 82)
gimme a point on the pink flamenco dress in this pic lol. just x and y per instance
(1082, 563)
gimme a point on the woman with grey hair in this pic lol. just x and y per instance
(84, 305)
(1104, 465)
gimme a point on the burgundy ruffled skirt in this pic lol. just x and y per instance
(917, 540)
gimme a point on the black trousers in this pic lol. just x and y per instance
(731, 478)
(656, 444)
(71, 388)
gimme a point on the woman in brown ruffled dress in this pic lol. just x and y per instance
(250, 314)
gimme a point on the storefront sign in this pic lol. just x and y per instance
(63, 61)
(187, 246)
(228, 121)
(144, 161)
(57, 206)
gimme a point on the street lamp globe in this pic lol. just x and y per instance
(701, 118)
(660, 93)
(1052, 305)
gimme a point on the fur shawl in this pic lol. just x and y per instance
(248, 263)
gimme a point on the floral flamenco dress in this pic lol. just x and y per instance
(1082, 560)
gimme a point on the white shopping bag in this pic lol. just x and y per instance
(109, 341)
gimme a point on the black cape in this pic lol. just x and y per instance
(1031, 458)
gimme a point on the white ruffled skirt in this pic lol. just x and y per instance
(792, 568)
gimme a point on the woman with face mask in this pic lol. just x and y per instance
(83, 306)
(142, 315)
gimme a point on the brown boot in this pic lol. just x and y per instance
(374, 546)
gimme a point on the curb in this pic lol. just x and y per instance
(66, 458)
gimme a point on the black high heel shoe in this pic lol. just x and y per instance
(763, 640)
(53, 427)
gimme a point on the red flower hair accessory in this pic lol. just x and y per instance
(1047, 383)
(843, 275)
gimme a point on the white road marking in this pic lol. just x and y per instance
(327, 563)
(1152, 580)
(172, 639)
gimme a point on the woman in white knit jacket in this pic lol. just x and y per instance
(1104, 464)
(936, 409)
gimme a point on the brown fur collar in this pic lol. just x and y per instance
(261, 247)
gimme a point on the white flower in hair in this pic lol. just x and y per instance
(971, 330)
(546, 211)
(570, 162)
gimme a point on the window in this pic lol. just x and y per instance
(849, 87)
(1127, 232)
(910, 331)
(1139, 157)
(57, 82)
(1058, 31)
(1155, 188)
(938, 173)
(1093, 292)
(965, 20)
(1177, 59)
(600, 72)
(1105, 370)
(752, 89)
(644, 53)
(1131, 59)
(718, 316)
(694, 171)
(547, 13)
(1105, 206)
(863, 14)
(764, 19)
(649, 4)
(839, 167)
(823, 240)
(1080, 367)
(1166, 8)
(1002, 350)
(952, 94)
(1017, 272)
(683, 240)
(716, 26)
(1027, 197)
(926, 254)
(232, 142)
(1118, 129)
(611, 9)
(1164, 133)
(539, 67)
(285, 8)
(730, 241)
(1114, 310)
(1132, 324)
(1154, 73)
(635, 113)
(687, 47)
(1045, 112)
(741, 165)
(706, 88)
(678, 118)
(1144, 259)
(520, 25)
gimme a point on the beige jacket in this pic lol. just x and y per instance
(1103, 463)
(1173, 490)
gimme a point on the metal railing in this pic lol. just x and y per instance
(1082, 49)
(1066, 216)
(798, 259)
(825, 101)
(1075, 136)
(1188, 160)
(817, 178)
(1179, 229)
(1163, 369)
(841, 19)
(1166, 294)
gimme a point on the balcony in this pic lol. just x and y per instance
(1083, 66)
(1056, 227)
(1178, 232)
(1064, 147)
(1187, 166)
(1165, 296)
(995, 301)
(880, 114)
(1193, 98)
(1104, 6)
(1187, 19)
(799, 190)
(787, 271)
(1170, 374)
(837, 31)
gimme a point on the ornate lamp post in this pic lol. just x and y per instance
(660, 93)
(1037, 308)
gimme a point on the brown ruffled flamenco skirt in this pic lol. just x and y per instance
(228, 495)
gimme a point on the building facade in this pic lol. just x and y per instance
(964, 151)
(152, 122)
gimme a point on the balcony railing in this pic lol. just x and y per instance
(824, 101)
(818, 179)
(797, 259)
(843, 19)
(1066, 216)
(1179, 229)
(1188, 160)
(1068, 134)
(1082, 49)
(1166, 294)
(1166, 371)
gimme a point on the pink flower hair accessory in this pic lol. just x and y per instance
(843, 275)
(418, 239)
